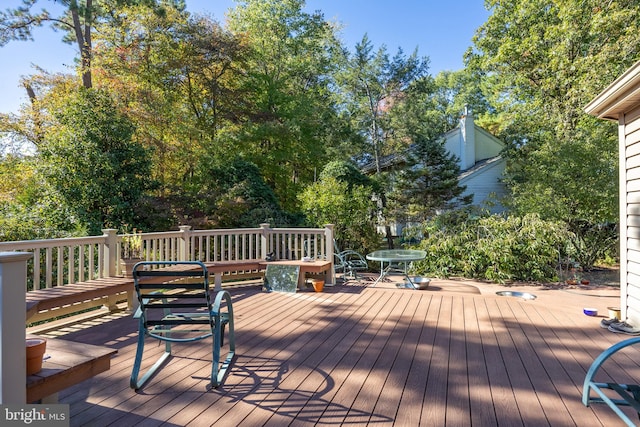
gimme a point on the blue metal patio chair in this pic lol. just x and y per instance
(176, 307)
(629, 393)
(350, 261)
(347, 262)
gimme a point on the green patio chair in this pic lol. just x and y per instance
(629, 394)
(176, 307)
(349, 261)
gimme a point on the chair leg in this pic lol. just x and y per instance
(220, 371)
(136, 383)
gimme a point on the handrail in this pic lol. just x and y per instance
(57, 262)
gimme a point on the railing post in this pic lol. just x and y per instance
(328, 235)
(13, 353)
(265, 240)
(185, 238)
(111, 256)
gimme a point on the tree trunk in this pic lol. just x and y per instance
(83, 40)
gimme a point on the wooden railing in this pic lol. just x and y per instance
(57, 262)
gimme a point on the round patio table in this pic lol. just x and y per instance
(397, 260)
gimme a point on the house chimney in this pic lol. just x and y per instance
(468, 140)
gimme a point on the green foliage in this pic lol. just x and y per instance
(593, 243)
(427, 183)
(372, 83)
(346, 172)
(235, 195)
(493, 247)
(544, 62)
(349, 207)
(175, 77)
(287, 90)
(91, 164)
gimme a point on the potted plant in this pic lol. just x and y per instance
(131, 252)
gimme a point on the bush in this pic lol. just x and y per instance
(350, 209)
(493, 247)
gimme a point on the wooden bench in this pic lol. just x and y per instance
(67, 363)
(236, 269)
(45, 304)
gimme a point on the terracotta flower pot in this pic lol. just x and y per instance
(126, 265)
(318, 285)
(35, 351)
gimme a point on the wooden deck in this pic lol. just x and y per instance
(357, 355)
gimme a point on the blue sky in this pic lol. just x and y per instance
(441, 30)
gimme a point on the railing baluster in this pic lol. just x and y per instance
(60, 267)
(92, 270)
(36, 269)
(49, 268)
(100, 260)
(71, 264)
(57, 262)
(81, 268)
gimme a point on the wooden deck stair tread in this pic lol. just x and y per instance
(69, 363)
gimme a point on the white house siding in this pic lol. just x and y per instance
(620, 102)
(629, 125)
(488, 146)
(485, 182)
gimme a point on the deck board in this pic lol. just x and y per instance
(481, 405)
(366, 356)
(417, 357)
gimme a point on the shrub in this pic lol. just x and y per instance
(493, 247)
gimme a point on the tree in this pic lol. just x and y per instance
(372, 83)
(91, 163)
(77, 22)
(176, 76)
(340, 199)
(347, 172)
(545, 62)
(237, 196)
(288, 87)
(427, 183)
(424, 179)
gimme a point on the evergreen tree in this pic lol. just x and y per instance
(427, 182)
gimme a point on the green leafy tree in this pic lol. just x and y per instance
(424, 178)
(372, 83)
(24, 213)
(77, 22)
(91, 163)
(236, 195)
(288, 77)
(343, 197)
(457, 91)
(427, 183)
(545, 61)
(347, 172)
(176, 77)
